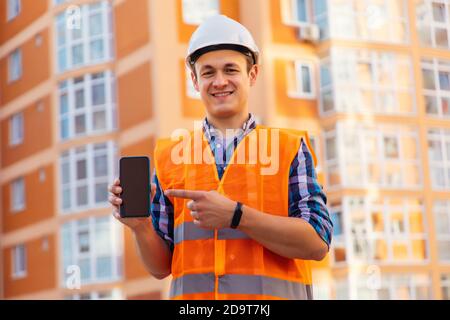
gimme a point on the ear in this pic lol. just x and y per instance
(194, 81)
(253, 74)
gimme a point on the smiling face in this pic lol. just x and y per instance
(224, 81)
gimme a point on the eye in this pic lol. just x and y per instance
(231, 70)
(207, 73)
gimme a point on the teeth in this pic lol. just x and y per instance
(222, 94)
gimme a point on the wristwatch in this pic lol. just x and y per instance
(237, 215)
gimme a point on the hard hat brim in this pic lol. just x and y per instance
(224, 46)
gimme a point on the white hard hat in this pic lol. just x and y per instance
(221, 33)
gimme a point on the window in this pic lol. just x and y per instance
(19, 262)
(85, 172)
(331, 152)
(336, 217)
(436, 87)
(386, 230)
(359, 241)
(370, 20)
(87, 105)
(338, 249)
(394, 287)
(433, 23)
(93, 245)
(444, 80)
(314, 142)
(303, 13)
(15, 65)
(16, 129)
(320, 8)
(374, 156)
(14, 8)
(296, 12)
(439, 13)
(326, 87)
(367, 82)
(391, 147)
(300, 80)
(18, 195)
(58, 2)
(342, 289)
(84, 36)
(439, 158)
(445, 285)
(333, 176)
(196, 11)
(442, 222)
(300, 9)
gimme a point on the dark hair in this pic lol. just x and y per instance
(248, 59)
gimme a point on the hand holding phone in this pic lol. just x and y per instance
(114, 199)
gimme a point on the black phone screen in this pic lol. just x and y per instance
(135, 182)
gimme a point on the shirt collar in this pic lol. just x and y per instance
(211, 132)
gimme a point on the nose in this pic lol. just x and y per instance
(220, 80)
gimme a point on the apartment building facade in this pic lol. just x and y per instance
(84, 82)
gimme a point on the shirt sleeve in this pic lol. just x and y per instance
(306, 197)
(162, 214)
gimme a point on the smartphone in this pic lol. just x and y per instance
(134, 175)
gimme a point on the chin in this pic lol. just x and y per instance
(222, 111)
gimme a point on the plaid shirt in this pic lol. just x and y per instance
(306, 197)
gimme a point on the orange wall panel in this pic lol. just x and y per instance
(321, 178)
(30, 11)
(291, 107)
(229, 8)
(41, 268)
(37, 133)
(135, 98)
(281, 33)
(134, 267)
(419, 249)
(144, 147)
(131, 26)
(35, 68)
(39, 201)
(192, 108)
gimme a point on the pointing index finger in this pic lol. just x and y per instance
(184, 194)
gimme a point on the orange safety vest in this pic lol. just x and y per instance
(226, 263)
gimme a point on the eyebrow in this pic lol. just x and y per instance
(227, 65)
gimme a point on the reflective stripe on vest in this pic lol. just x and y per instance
(192, 283)
(228, 233)
(241, 284)
(189, 231)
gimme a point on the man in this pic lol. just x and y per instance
(225, 229)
